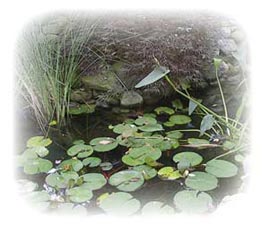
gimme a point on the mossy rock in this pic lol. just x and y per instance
(131, 99)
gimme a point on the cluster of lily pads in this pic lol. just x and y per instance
(142, 141)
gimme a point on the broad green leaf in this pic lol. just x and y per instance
(106, 166)
(80, 150)
(38, 196)
(37, 165)
(118, 204)
(121, 128)
(158, 73)
(193, 105)
(201, 181)
(157, 208)
(127, 180)
(168, 173)
(38, 141)
(79, 194)
(61, 180)
(147, 171)
(206, 123)
(71, 165)
(191, 201)
(221, 168)
(174, 134)
(145, 121)
(197, 141)
(26, 186)
(93, 181)
(164, 110)
(151, 128)
(169, 124)
(103, 144)
(92, 162)
(78, 142)
(189, 159)
(82, 109)
(177, 104)
(180, 119)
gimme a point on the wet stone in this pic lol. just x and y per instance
(131, 99)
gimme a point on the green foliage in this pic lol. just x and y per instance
(38, 141)
(187, 159)
(206, 123)
(221, 168)
(103, 144)
(164, 110)
(201, 181)
(93, 181)
(79, 194)
(169, 173)
(180, 119)
(156, 208)
(80, 150)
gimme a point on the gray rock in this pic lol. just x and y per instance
(227, 46)
(131, 99)
(80, 96)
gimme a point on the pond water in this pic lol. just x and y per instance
(100, 124)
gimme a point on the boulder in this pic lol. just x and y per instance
(131, 99)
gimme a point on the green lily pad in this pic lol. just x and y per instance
(127, 180)
(92, 162)
(119, 204)
(38, 196)
(136, 156)
(164, 110)
(93, 181)
(197, 141)
(168, 173)
(80, 150)
(27, 186)
(61, 180)
(106, 166)
(147, 171)
(37, 165)
(153, 140)
(38, 141)
(201, 181)
(71, 165)
(145, 121)
(221, 168)
(121, 128)
(187, 159)
(70, 209)
(151, 127)
(36, 151)
(151, 115)
(79, 194)
(103, 144)
(169, 124)
(228, 145)
(157, 208)
(174, 134)
(177, 104)
(180, 119)
(82, 109)
(78, 142)
(191, 201)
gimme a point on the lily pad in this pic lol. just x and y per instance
(127, 180)
(177, 104)
(27, 186)
(197, 141)
(180, 119)
(106, 166)
(164, 110)
(191, 201)
(37, 165)
(201, 181)
(121, 128)
(151, 127)
(152, 115)
(187, 159)
(92, 162)
(119, 204)
(79, 194)
(221, 168)
(71, 165)
(93, 181)
(157, 208)
(36, 151)
(174, 134)
(38, 141)
(80, 150)
(103, 144)
(61, 180)
(38, 196)
(169, 124)
(147, 171)
(168, 173)
(145, 121)
(78, 142)
(136, 156)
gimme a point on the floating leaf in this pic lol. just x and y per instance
(79, 194)
(147, 171)
(168, 173)
(92, 162)
(80, 150)
(145, 121)
(38, 196)
(221, 168)
(121, 128)
(78, 142)
(158, 73)
(169, 124)
(38, 141)
(228, 145)
(177, 104)
(201, 181)
(239, 158)
(136, 156)
(27, 186)
(151, 128)
(191, 201)
(93, 181)
(119, 204)
(206, 123)
(127, 180)
(174, 134)
(71, 165)
(151, 115)
(164, 110)
(82, 109)
(61, 180)
(197, 141)
(157, 208)
(103, 144)
(37, 165)
(187, 159)
(106, 166)
(180, 119)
